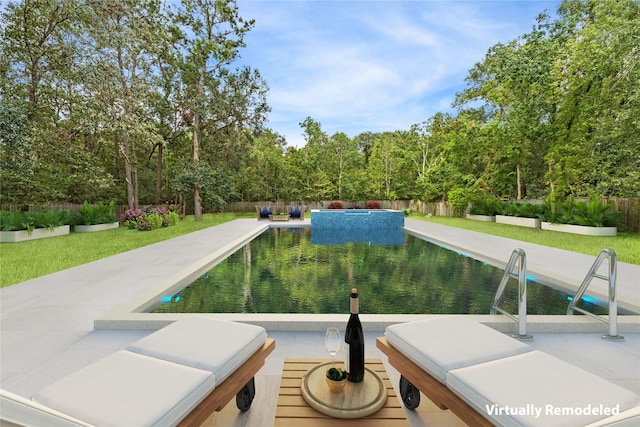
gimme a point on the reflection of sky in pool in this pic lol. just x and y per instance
(285, 271)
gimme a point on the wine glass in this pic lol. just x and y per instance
(332, 342)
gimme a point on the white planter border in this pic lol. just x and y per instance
(95, 227)
(483, 218)
(519, 221)
(581, 229)
(38, 233)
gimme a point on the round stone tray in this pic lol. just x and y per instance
(356, 401)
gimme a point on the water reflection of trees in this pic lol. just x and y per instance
(282, 272)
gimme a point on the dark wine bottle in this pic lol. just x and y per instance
(354, 339)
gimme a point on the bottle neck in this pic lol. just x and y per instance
(354, 305)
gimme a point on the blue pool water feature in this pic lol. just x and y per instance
(373, 226)
(350, 219)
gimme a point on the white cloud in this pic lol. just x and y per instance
(358, 66)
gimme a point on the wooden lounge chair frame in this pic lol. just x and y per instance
(240, 384)
(420, 380)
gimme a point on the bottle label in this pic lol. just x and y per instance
(354, 305)
(345, 352)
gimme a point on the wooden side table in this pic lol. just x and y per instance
(292, 410)
(279, 217)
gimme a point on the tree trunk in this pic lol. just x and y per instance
(159, 174)
(340, 167)
(117, 148)
(127, 170)
(518, 178)
(197, 205)
(33, 92)
(136, 185)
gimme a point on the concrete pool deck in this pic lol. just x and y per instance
(48, 324)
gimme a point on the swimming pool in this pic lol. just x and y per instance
(284, 271)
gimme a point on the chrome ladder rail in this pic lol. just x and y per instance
(520, 257)
(613, 302)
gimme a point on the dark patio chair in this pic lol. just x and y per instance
(296, 211)
(264, 211)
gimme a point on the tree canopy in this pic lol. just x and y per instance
(140, 102)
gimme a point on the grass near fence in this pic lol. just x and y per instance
(26, 260)
(626, 245)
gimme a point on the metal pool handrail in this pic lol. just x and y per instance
(613, 303)
(517, 256)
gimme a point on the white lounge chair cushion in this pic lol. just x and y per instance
(129, 389)
(445, 343)
(214, 345)
(536, 380)
(628, 418)
(20, 411)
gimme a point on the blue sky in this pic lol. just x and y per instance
(359, 65)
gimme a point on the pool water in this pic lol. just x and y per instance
(283, 271)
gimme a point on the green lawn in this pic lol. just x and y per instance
(27, 260)
(626, 245)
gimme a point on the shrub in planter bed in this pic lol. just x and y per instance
(591, 213)
(521, 209)
(95, 214)
(18, 220)
(485, 207)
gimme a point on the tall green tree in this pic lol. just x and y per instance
(265, 173)
(41, 51)
(165, 102)
(124, 43)
(214, 33)
(33, 31)
(316, 182)
(598, 78)
(424, 153)
(514, 80)
(298, 186)
(383, 165)
(343, 162)
(17, 160)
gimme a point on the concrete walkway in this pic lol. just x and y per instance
(43, 316)
(47, 324)
(549, 265)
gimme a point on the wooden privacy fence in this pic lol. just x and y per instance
(629, 208)
(434, 208)
(629, 212)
